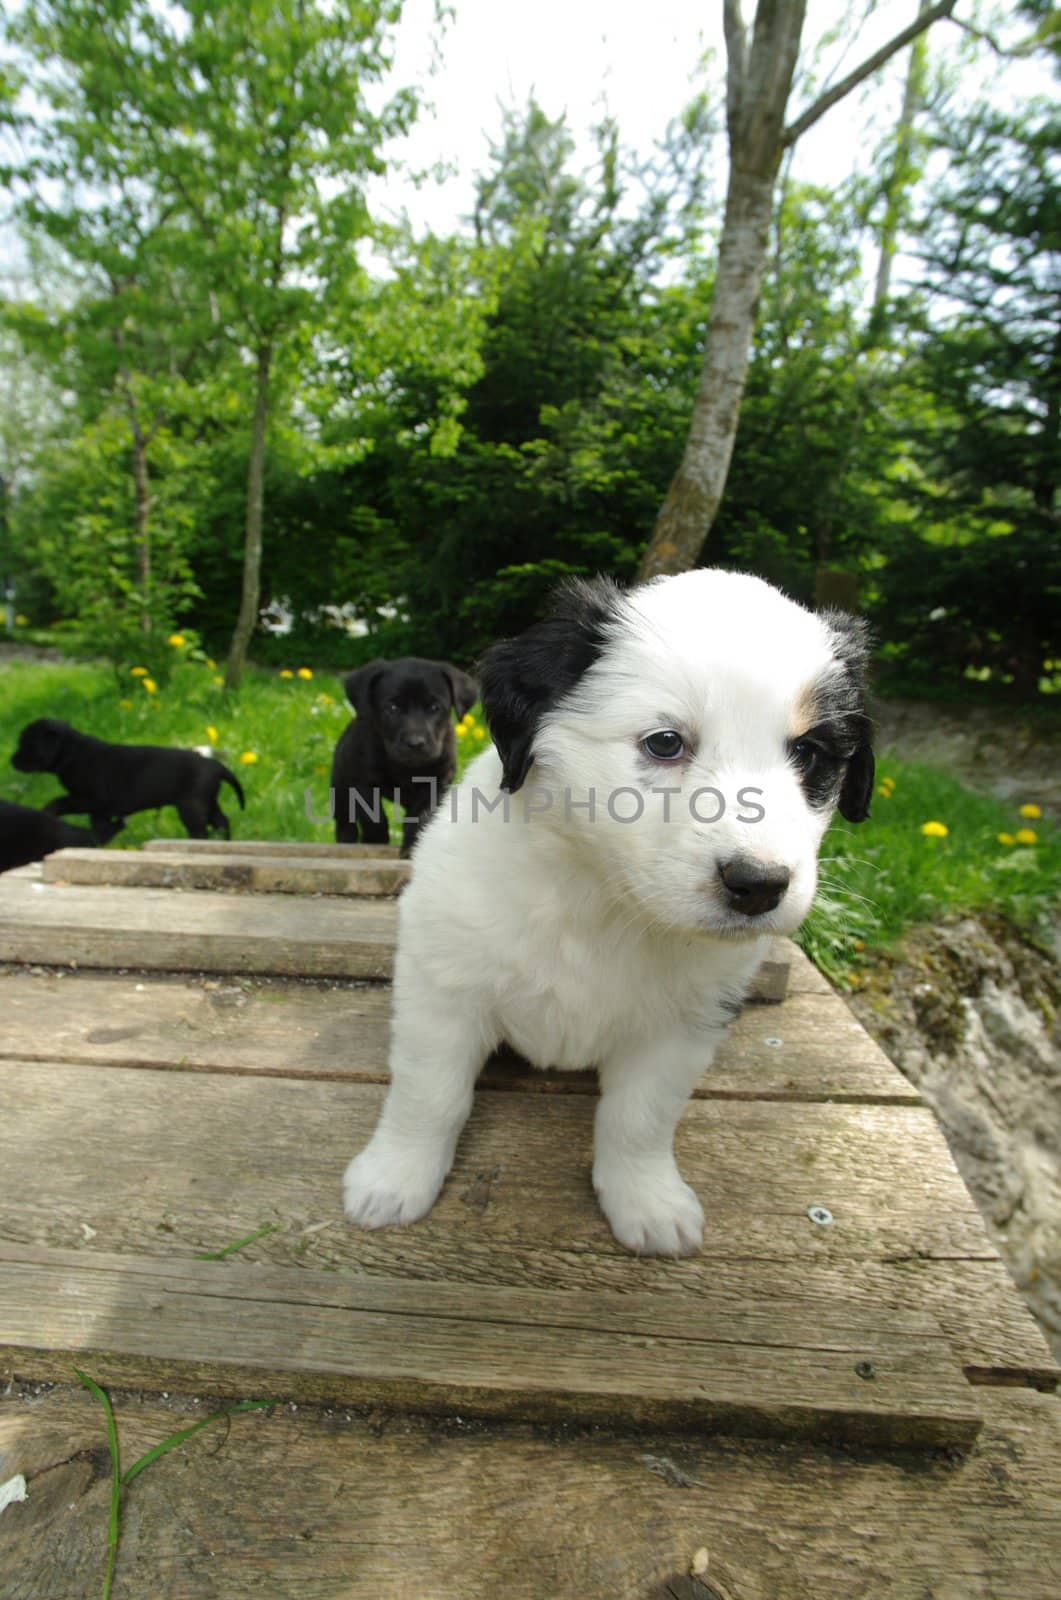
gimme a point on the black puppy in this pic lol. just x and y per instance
(401, 746)
(110, 781)
(27, 835)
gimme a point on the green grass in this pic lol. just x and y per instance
(877, 879)
(289, 727)
(121, 1480)
(885, 874)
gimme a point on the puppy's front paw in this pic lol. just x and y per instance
(653, 1214)
(386, 1184)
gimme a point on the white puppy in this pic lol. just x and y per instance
(598, 890)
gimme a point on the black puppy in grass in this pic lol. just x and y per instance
(111, 781)
(402, 746)
(27, 835)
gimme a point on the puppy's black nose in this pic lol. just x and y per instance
(753, 887)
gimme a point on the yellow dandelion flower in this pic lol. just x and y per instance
(304, 672)
(138, 672)
(935, 830)
(1027, 836)
(126, 705)
(176, 640)
(219, 681)
(479, 733)
(1006, 838)
(211, 733)
(285, 672)
(1032, 811)
(211, 663)
(150, 685)
(889, 783)
(20, 620)
(249, 757)
(884, 793)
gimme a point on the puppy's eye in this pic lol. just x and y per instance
(666, 745)
(808, 758)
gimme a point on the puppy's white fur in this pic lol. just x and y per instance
(579, 938)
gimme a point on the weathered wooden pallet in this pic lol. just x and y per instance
(846, 1291)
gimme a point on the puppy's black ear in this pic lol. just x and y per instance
(852, 644)
(463, 690)
(523, 678)
(856, 791)
(360, 684)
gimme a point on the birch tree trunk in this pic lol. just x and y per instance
(250, 598)
(758, 84)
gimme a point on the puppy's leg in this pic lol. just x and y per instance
(375, 830)
(650, 1207)
(436, 1054)
(65, 805)
(194, 816)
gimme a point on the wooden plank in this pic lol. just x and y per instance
(272, 874)
(155, 1163)
(804, 977)
(766, 1368)
(314, 1506)
(811, 1048)
(312, 850)
(218, 1155)
(155, 930)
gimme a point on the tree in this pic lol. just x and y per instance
(266, 136)
(759, 76)
(978, 577)
(120, 318)
(245, 130)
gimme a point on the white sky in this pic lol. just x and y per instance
(639, 61)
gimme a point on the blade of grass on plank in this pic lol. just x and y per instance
(185, 1433)
(116, 1477)
(230, 1249)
